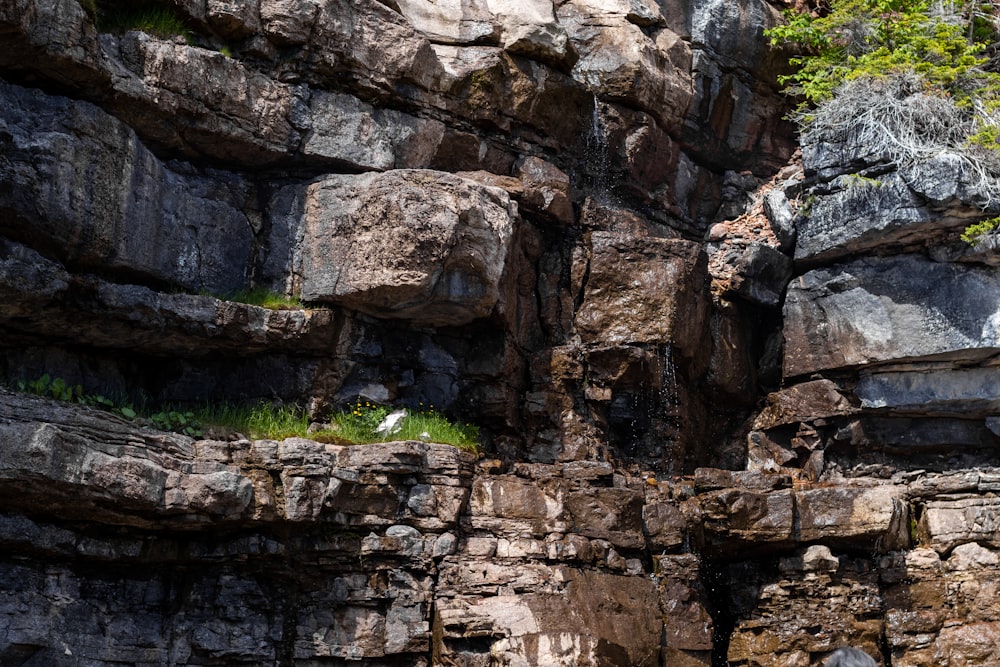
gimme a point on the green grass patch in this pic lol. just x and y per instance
(357, 424)
(261, 421)
(264, 298)
(152, 18)
(437, 428)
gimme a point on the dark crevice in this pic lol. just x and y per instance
(715, 579)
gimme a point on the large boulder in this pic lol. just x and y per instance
(420, 245)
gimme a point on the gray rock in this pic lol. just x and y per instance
(950, 522)
(761, 274)
(233, 19)
(891, 308)
(860, 215)
(960, 390)
(922, 204)
(359, 136)
(126, 474)
(816, 558)
(782, 218)
(253, 127)
(43, 299)
(730, 31)
(59, 29)
(79, 182)
(850, 657)
(451, 21)
(288, 22)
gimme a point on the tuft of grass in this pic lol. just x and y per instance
(157, 20)
(437, 428)
(357, 423)
(265, 298)
(260, 421)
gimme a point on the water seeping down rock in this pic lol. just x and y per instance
(739, 403)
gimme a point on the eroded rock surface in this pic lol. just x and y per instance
(739, 404)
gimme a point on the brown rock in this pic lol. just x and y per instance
(645, 291)
(546, 189)
(875, 514)
(953, 521)
(611, 514)
(419, 245)
(803, 402)
(748, 516)
(657, 81)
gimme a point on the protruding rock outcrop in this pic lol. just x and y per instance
(418, 245)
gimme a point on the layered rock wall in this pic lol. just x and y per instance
(739, 405)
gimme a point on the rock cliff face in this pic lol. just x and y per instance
(740, 403)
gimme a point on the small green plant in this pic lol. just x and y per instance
(226, 50)
(184, 423)
(973, 234)
(861, 181)
(60, 390)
